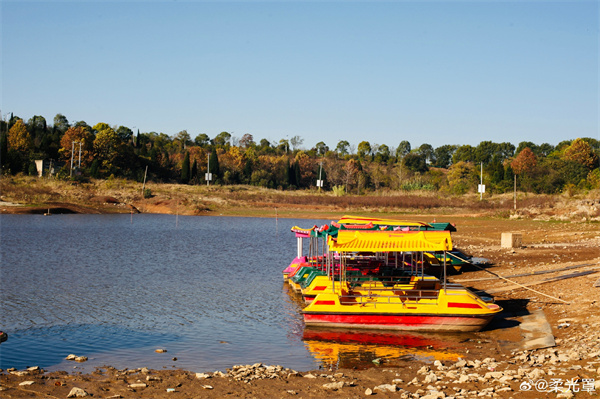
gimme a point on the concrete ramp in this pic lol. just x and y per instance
(537, 333)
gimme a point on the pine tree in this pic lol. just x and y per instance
(214, 164)
(194, 172)
(297, 175)
(185, 169)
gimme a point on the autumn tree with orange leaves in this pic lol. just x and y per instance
(77, 134)
(19, 138)
(524, 162)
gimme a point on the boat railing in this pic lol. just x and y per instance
(377, 296)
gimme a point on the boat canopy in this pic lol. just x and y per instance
(354, 223)
(390, 241)
(443, 226)
(347, 220)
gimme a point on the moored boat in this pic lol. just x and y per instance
(405, 298)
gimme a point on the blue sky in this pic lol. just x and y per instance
(445, 72)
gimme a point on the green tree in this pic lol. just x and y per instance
(125, 134)
(185, 168)
(296, 142)
(506, 150)
(546, 149)
(3, 145)
(106, 145)
(443, 155)
(415, 162)
(364, 149)
(342, 147)
(427, 151)
(527, 144)
(194, 171)
(464, 153)
(403, 149)
(38, 129)
(222, 139)
(383, 154)
(202, 140)
(61, 123)
(284, 146)
(461, 177)
(321, 148)
(183, 140)
(484, 152)
(95, 168)
(214, 167)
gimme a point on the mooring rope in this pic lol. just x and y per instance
(510, 281)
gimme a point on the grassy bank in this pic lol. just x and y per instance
(120, 196)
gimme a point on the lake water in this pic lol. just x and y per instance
(115, 288)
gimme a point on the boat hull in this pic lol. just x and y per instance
(399, 321)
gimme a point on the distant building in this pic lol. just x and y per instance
(45, 167)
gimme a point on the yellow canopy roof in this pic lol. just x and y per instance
(347, 219)
(390, 241)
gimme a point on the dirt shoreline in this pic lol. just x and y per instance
(559, 260)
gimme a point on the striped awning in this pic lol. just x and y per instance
(390, 241)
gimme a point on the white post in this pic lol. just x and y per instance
(208, 170)
(80, 154)
(481, 192)
(320, 183)
(299, 240)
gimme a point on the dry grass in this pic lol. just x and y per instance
(246, 199)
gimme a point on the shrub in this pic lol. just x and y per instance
(338, 191)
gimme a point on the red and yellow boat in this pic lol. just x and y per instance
(413, 301)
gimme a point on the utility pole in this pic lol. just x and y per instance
(481, 188)
(320, 182)
(515, 192)
(208, 175)
(80, 155)
(72, 150)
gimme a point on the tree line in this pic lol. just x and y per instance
(103, 151)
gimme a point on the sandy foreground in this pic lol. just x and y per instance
(546, 343)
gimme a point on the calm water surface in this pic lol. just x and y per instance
(115, 288)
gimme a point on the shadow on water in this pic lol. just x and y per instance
(52, 344)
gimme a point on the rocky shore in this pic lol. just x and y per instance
(570, 371)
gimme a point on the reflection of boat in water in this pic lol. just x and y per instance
(347, 348)
(370, 274)
(377, 337)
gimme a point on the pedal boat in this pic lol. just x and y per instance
(424, 304)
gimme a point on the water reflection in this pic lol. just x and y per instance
(361, 349)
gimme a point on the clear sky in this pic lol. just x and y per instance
(437, 72)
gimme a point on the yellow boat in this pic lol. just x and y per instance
(424, 303)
